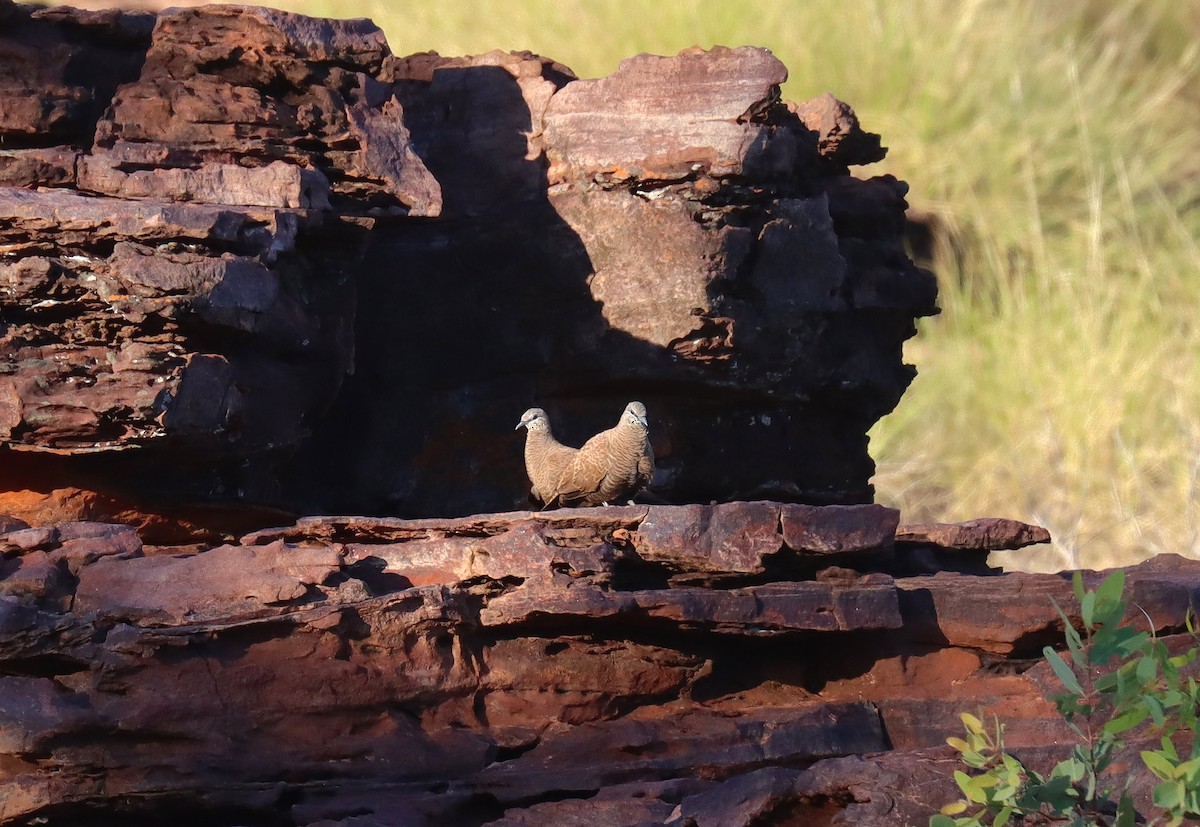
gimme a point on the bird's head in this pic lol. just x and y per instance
(533, 419)
(635, 414)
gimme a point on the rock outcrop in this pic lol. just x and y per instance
(249, 257)
(253, 265)
(736, 664)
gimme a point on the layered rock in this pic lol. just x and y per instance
(660, 664)
(248, 257)
(184, 296)
(259, 107)
(694, 244)
(59, 69)
(202, 236)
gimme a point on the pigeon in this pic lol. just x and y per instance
(612, 466)
(545, 457)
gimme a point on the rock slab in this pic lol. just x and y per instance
(616, 665)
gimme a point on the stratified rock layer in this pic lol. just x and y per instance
(609, 666)
(247, 256)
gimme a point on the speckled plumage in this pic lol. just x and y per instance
(612, 466)
(545, 457)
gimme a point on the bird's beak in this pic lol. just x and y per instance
(642, 420)
(520, 425)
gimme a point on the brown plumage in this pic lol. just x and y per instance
(613, 465)
(545, 457)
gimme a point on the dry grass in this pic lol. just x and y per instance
(1061, 385)
(1059, 145)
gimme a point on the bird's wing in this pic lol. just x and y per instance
(554, 464)
(584, 474)
(545, 458)
(645, 465)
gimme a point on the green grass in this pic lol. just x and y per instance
(1059, 146)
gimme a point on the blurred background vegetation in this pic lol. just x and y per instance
(1055, 148)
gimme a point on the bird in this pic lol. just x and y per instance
(545, 457)
(613, 465)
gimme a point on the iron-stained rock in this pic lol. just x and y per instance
(983, 534)
(515, 659)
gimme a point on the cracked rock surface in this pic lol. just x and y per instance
(620, 665)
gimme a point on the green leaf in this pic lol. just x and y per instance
(1057, 793)
(1062, 671)
(1158, 764)
(1068, 706)
(1147, 670)
(1171, 698)
(970, 787)
(974, 760)
(942, 820)
(1002, 817)
(1126, 813)
(1112, 683)
(1087, 608)
(1126, 721)
(1069, 768)
(1168, 750)
(1074, 643)
(954, 808)
(959, 744)
(1155, 708)
(1112, 588)
(1077, 586)
(1110, 607)
(1169, 795)
(972, 723)
(1189, 771)
(1128, 641)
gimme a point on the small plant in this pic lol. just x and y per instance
(1118, 682)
